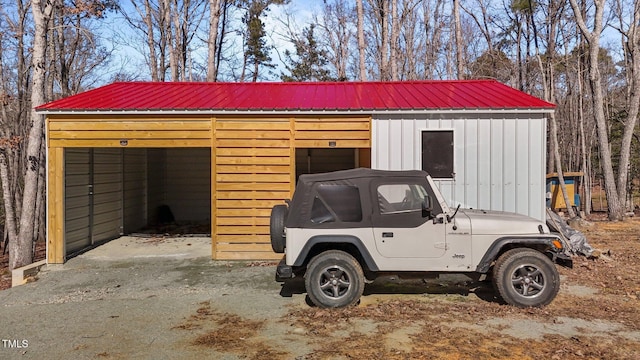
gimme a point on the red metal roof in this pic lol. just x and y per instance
(285, 97)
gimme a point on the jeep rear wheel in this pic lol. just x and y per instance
(334, 279)
(526, 278)
(276, 227)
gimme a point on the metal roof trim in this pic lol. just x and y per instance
(300, 112)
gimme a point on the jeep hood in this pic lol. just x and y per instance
(487, 222)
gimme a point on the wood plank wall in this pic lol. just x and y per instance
(253, 173)
(254, 169)
(138, 131)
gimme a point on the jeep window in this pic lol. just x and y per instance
(341, 200)
(395, 198)
(319, 212)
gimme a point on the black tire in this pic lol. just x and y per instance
(526, 278)
(334, 279)
(276, 227)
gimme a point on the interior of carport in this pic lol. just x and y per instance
(110, 192)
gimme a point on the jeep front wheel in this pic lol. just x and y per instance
(526, 278)
(334, 279)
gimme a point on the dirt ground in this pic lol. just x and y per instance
(194, 307)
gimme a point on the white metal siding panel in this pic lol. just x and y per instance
(537, 165)
(484, 156)
(509, 165)
(499, 161)
(107, 189)
(469, 153)
(135, 180)
(188, 183)
(76, 199)
(497, 164)
(522, 175)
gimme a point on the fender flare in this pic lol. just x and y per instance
(336, 239)
(492, 252)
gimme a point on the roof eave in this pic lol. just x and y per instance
(546, 110)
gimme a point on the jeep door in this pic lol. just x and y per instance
(401, 226)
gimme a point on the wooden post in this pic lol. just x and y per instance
(55, 204)
(292, 156)
(214, 212)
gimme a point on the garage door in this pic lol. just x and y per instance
(77, 199)
(93, 197)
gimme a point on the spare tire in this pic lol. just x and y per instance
(276, 227)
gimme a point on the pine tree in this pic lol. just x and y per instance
(309, 61)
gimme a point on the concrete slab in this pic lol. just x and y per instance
(132, 247)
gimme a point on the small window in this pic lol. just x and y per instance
(395, 198)
(320, 213)
(343, 200)
(437, 153)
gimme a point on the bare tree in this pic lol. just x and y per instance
(592, 36)
(395, 34)
(212, 46)
(21, 249)
(631, 38)
(338, 29)
(361, 41)
(459, 46)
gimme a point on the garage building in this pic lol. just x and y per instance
(224, 153)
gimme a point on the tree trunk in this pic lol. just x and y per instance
(586, 168)
(10, 226)
(361, 43)
(384, 44)
(633, 104)
(153, 63)
(614, 205)
(458, 32)
(214, 20)
(395, 29)
(21, 250)
(169, 38)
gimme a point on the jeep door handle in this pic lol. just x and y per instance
(387, 234)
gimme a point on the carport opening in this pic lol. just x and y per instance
(110, 192)
(319, 160)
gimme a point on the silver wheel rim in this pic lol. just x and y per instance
(528, 281)
(334, 282)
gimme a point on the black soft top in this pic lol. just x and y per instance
(307, 190)
(359, 173)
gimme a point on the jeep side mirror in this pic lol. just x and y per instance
(427, 208)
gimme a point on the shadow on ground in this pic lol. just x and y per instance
(391, 285)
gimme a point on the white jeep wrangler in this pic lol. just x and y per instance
(346, 227)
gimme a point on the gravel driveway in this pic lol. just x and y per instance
(165, 299)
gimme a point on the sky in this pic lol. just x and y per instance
(126, 55)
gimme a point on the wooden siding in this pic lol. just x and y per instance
(255, 169)
(332, 132)
(252, 173)
(136, 131)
